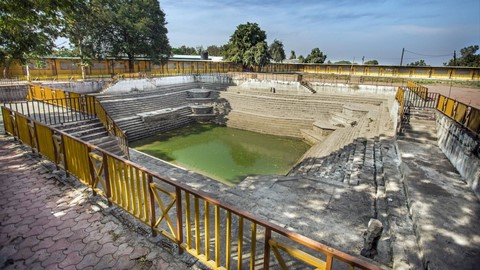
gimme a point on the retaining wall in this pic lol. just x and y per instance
(359, 89)
(282, 87)
(85, 87)
(462, 148)
(13, 93)
(150, 84)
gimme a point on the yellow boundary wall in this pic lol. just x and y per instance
(69, 69)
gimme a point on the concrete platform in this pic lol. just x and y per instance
(444, 209)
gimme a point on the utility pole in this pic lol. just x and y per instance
(401, 59)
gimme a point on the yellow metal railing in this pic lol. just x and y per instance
(463, 114)
(221, 236)
(80, 103)
(418, 89)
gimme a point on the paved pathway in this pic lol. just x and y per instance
(444, 209)
(46, 223)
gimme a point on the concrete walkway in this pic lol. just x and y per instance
(445, 211)
(46, 223)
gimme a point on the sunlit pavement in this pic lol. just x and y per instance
(47, 223)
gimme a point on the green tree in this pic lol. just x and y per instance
(80, 24)
(199, 49)
(468, 57)
(301, 59)
(134, 28)
(63, 52)
(316, 56)
(184, 50)
(343, 62)
(371, 62)
(256, 56)
(262, 56)
(241, 47)
(292, 55)
(276, 51)
(215, 50)
(28, 28)
(419, 63)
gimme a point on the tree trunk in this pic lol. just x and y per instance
(6, 68)
(84, 76)
(27, 68)
(82, 62)
(131, 67)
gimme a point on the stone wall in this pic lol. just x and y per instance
(153, 83)
(377, 90)
(462, 148)
(281, 87)
(11, 93)
(85, 87)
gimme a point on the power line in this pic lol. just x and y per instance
(430, 55)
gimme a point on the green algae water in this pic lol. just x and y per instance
(225, 154)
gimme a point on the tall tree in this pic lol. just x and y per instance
(135, 28)
(241, 47)
(316, 56)
(28, 28)
(468, 57)
(80, 24)
(292, 55)
(276, 51)
(262, 56)
(215, 50)
(301, 59)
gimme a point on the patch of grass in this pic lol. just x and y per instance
(455, 83)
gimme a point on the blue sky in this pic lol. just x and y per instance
(342, 29)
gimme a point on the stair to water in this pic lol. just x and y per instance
(93, 132)
(420, 127)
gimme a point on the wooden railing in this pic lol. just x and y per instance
(219, 235)
(88, 105)
(418, 96)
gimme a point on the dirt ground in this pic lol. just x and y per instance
(469, 96)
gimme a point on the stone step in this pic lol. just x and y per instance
(342, 118)
(84, 131)
(420, 140)
(96, 135)
(82, 124)
(311, 136)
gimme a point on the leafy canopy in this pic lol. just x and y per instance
(316, 56)
(371, 62)
(468, 58)
(28, 28)
(292, 55)
(134, 28)
(248, 46)
(276, 51)
(419, 63)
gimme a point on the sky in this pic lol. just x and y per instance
(343, 29)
